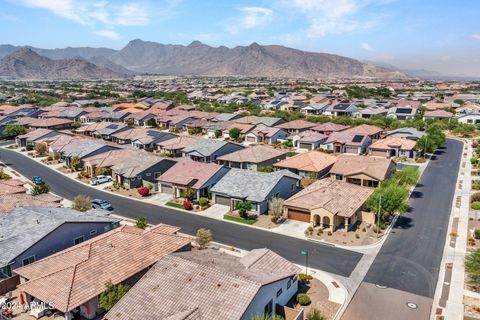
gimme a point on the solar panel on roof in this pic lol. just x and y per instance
(404, 110)
(341, 106)
(357, 138)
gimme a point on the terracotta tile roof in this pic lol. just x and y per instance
(35, 134)
(178, 143)
(297, 124)
(312, 161)
(12, 187)
(94, 126)
(340, 198)
(431, 105)
(377, 168)
(264, 130)
(109, 158)
(10, 201)
(346, 138)
(190, 173)
(255, 154)
(365, 129)
(330, 126)
(408, 103)
(202, 285)
(438, 114)
(49, 122)
(311, 136)
(73, 276)
(244, 127)
(393, 143)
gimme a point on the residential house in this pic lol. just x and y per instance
(243, 127)
(95, 116)
(394, 147)
(72, 113)
(369, 112)
(106, 160)
(189, 174)
(308, 140)
(264, 134)
(311, 164)
(177, 121)
(469, 117)
(122, 255)
(343, 142)
(296, 126)
(257, 187)
(365, 129)
(405, 109)
(174, 147)
(406, 133)
(343, 108)
(437, 114)
(205, 150)
(29, 234)
(90, 129)
(150, 139)
(82, 149)
(329, 127)
(139, 118)
(255, 120)
(111, 129)
(260, 283)
(49, 123)
(330, 204)
(362, 170)
(253, 158)
(33, 136)
(140, 169)
(226, 117)
(315, 108)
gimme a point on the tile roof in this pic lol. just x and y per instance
(297, 124)
(110, 158)
(364, 129)
(330, 126)
(13, 200)
(12, 187)
(346, 138)
(393, 143)
(202, 285)
(340, 198)
(35, 134)
(190, 173)
(311, 161)
(255, 154)
(132, 166)
(377, 168)
(73, 276)
(205, 147)
(178, 143)
(438, 114)
(250, 185)
(311, 136)
(84, 148)
(22, 227)
(261, 130)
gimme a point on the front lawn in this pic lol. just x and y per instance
(241, 220)
(175, 205)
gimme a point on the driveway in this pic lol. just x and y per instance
(326, 258)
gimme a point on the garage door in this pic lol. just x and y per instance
(222, 200)
(167, 189)
(378, 153)
(251, 139)
(298, 215)
(307, 146)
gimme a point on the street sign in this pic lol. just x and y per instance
(304, 253)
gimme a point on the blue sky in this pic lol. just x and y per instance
(439, 35)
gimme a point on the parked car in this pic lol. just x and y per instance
(100, 179)
(37, 180)
(101, 204)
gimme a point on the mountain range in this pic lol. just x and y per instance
(194, 59)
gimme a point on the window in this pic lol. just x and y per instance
(157, 174)
(293, 186)
(279, 292)
(92, 232)
(148, 174)
(294, 279)
(78, 240)
(289, 284)
(268, 308)
(277, 195)
(338, 177)
(139, 177)
(106, 228)
(28, 260)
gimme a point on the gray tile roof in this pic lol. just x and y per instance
(133, 166)
(111, 129)
(407, 133)
(250, 185)
(202, 285)
(22, 227)
(226, 116)
(204, 147)
(84, 148)
(268, 121)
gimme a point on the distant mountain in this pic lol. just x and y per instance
(416, 73)
(27, 64)
(199, 59)
(254, 60)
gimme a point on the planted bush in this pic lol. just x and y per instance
(477, 233)
(29, 147)
(303, 299)
(475, 197)
(476, 184)
(187, 205)
(203, 202)
(143, 191)
(39, 189)
(304, 278)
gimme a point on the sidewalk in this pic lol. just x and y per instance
(448, 300)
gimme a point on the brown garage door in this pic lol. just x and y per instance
(167, 189)
(298, 215)
(222, 200)
(378, 153)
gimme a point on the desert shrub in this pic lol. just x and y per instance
(41, 149)
(82, 203)
(304, 278)
(203, 237)
(357, 236)
(309, 231)
(49, 158)
(329, 233)
(475, 197)
(476, 184)
(40, 189)
(303, 299)
(4, 176)
(477, 233)
(141, 223)
(475, 205)
(203, 202)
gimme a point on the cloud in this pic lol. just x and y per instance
(335, 16)
(110, 34)
(252, 17)
(476, 36)
(103, 16)
(366, 46)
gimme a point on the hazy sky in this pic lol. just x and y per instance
(439, 35)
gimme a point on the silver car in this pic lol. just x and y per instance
(100, 179)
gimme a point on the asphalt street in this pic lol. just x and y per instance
(323, 257)
(409, 261)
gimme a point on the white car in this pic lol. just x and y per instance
(100, 179)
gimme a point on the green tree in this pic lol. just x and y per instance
(40, 189)
(152, 122)
(315, 314)
(267, 317)
(218, 133)
(188, 193)
(407, 177)
(243, 207)
(112, 294)
(141, 223)
(82, 203)
(426, 144)
(234, 133)
(203, 237)
(394, 199)
(265, 169)
(13, 130)
(74, 163)
(472, 266)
